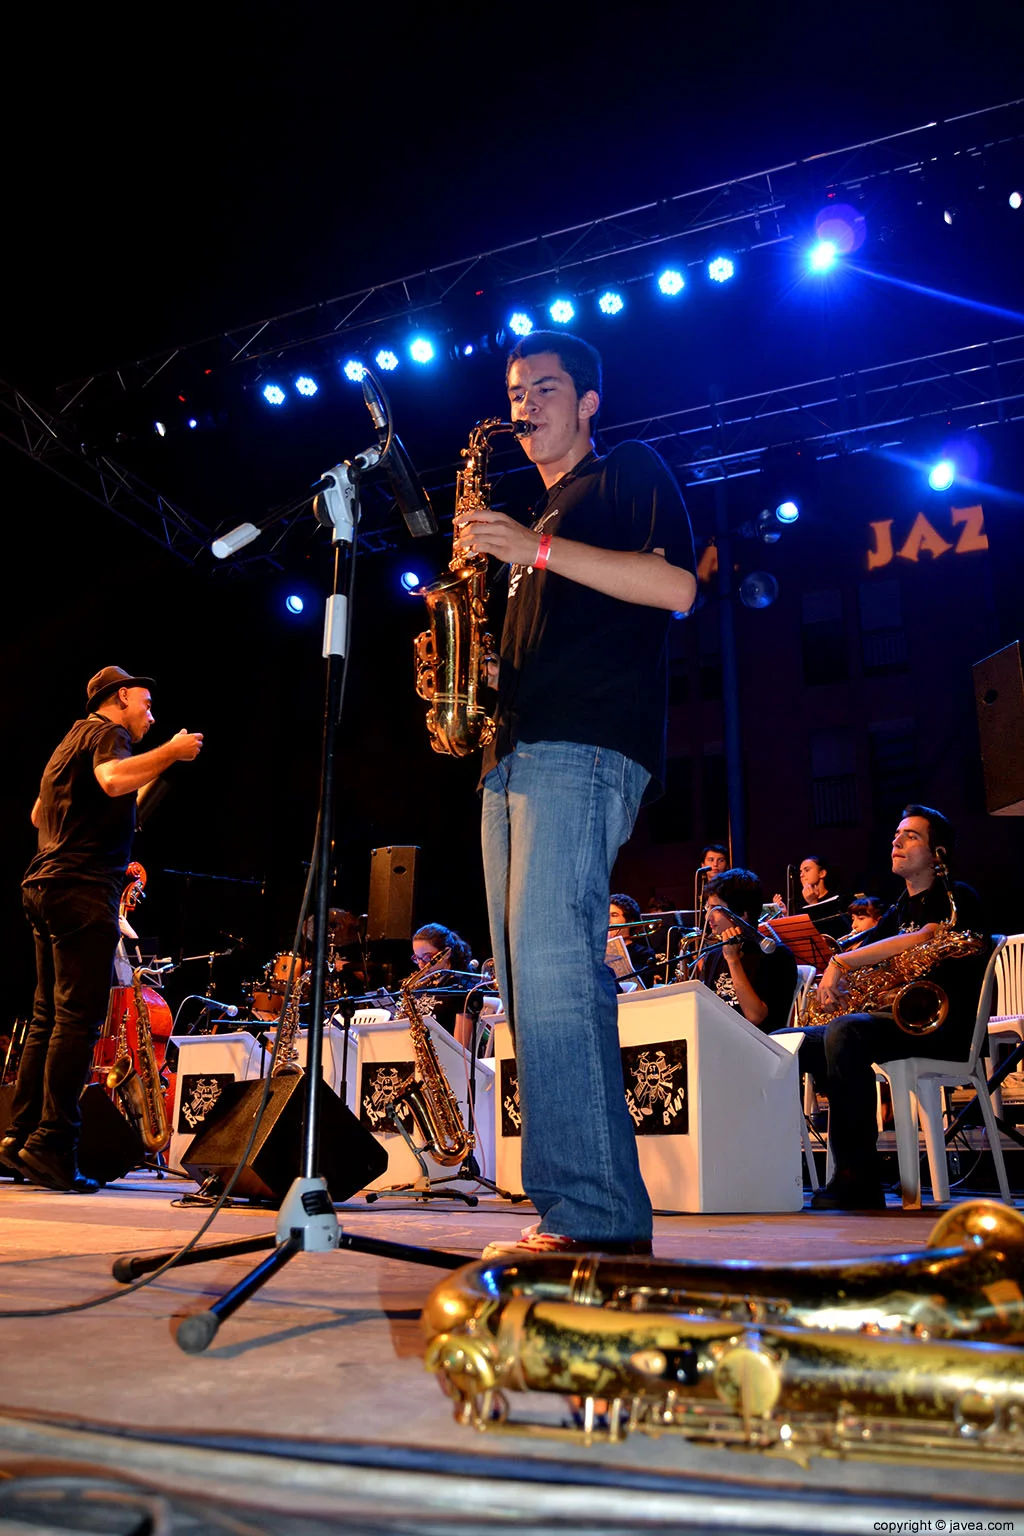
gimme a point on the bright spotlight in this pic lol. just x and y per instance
(468, 349)
(721, 269)
(520, 323)
(611, 303)
(294, 603)
(386, 360)
(354, 371)
(822, 256)
(1016, 199)
(942, 475)
(787, 511)
(273, 394)
(950, 215)
(305, 385)
(159, 429)
(561, 311)
(410, 581)
(421, 350)
(193, 422)
(671, 282)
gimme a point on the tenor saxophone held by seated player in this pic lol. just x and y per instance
(899, 985)
(451, 656)
(915, 1356)
(427, 1094)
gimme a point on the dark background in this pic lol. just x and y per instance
(173, 174)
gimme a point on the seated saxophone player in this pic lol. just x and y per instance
(85, 819)
(840, 1054)
(579, 744)
(430, 945)
(759, 984)
(864, 913)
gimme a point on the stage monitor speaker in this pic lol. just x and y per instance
(109, 1147)
(392, 893)
(999, 697)
(350, 1155)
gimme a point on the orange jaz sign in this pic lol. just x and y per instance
(924, 539)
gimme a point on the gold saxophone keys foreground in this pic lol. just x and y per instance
(915, 1356)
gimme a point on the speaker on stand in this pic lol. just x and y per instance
(999, 699)
(389, 920)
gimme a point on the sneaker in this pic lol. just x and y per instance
(536, 1244)
(9, 1160)
(55, 1172)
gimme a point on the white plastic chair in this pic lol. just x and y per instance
(1006, 1026)
(916, 1085)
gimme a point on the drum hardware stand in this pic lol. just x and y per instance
(307, 1221)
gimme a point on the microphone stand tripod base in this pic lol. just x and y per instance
(308, 1218)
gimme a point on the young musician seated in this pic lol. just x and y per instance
(622, 909)
(433, 945)
(759, 985)
(840, 1055)
(864, 914)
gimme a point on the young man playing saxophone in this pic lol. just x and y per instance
(579, 745)
(840, 1055)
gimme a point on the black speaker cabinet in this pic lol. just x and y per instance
(999, 697)
(392, 893)
(110, 1147)
(350, 1155)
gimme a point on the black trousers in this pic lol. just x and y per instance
(74, 923)
(840, 1057)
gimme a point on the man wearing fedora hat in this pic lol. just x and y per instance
(85, 818)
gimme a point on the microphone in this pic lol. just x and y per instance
(766, 942)
(229, 1010)
(413, 501)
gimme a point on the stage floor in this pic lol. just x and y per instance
(330, 1352)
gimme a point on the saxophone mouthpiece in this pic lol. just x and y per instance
(522, 428)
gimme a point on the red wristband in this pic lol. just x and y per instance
(540, 559)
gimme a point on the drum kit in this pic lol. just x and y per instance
(266, 994)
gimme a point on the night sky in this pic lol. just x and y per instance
(173, 173)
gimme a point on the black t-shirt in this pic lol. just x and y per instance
(577, 665)
(773, 978)
(960, 978)
(84, 833)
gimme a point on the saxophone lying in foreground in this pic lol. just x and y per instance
(915, 1356)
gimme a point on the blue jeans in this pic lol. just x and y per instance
(555, 814)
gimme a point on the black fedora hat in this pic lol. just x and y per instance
(108, 680)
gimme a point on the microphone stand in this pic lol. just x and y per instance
(307, 1221)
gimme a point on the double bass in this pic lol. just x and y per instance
(117, 1051)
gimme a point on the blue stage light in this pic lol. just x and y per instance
(611, 303)
(421, 350)
(1016, 199)
(787, 511)
(159, 429)
(273, 394)
(721, 269)
(354, 371)
(294, 603)
(468, 349)
(942, 475)
(520, 323)
(386, 360)
(193, 423)
(561, 311)
(671, 282)
(305, 385)
(822, 256)
(410, 581)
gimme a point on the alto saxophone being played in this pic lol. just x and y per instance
(428, 1094)
(452, 655)
(899, 985)
(136, 1078)
(915, 1356)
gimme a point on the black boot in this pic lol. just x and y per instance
(56, 1172)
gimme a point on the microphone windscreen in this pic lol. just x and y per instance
(238, 538)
